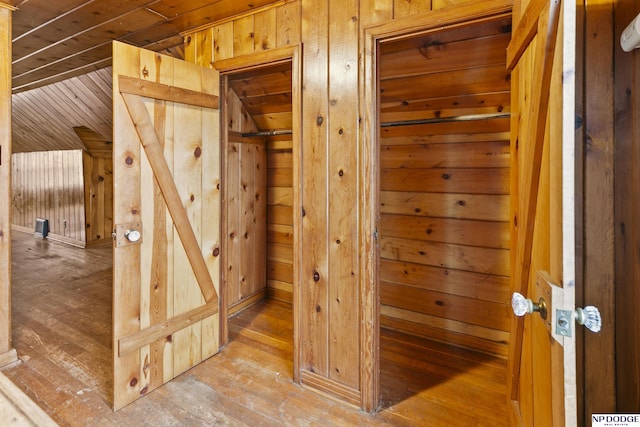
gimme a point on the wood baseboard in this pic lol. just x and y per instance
(8, 358)
(51, 236)
(330, 388)
(247, 301)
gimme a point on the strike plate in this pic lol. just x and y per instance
(121, 234)
(563, 322)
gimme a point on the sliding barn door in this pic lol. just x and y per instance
(166, 158)
(542, 357)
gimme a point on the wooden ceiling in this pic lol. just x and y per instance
(62, 51)
(57, 39)
(63, 80)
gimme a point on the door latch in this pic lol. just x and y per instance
(588, 316)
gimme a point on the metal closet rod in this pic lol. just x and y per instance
(466, 118)
(267, 133)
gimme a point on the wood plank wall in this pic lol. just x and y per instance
(98, 197)
(280, 218)
(50, 185)
(627, 212)
(245, 195)
(329, 282)
(444, 215)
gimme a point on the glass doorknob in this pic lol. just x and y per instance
(522, 305)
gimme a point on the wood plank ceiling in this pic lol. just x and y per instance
(62, 51)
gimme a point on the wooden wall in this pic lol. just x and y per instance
(244, 223)
(7, 354)
(98, 197)
(627, 212)
(280, 217)
(50, 185)
(444, 187)
(329, 278)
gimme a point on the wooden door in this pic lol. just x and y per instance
(542, 360)
(166, 166)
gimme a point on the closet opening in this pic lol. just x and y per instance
(259, 144)
(443, 234)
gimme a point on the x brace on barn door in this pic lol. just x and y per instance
(132, 90)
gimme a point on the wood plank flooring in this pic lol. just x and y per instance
(62, 332)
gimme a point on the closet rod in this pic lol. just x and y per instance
(267, 133)
(467, 118)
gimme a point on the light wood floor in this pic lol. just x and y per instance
(62, 332)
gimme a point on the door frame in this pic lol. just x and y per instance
(7, 352)
(368, 204)
(228, 67)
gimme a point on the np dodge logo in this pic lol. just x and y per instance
(615, 420)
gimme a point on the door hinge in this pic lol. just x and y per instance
(375, 234)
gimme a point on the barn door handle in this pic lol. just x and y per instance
(522, 306)
(132, 235)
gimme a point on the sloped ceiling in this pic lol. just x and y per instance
(61, 50)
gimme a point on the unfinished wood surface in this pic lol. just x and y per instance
(65, 368)
(176, 138)
(50, 185)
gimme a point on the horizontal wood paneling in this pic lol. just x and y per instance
(50, 185)
(279, 226)
(444, 234)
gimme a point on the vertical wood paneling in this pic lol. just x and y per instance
(328, 282)
(375, 11)
(404, 8)
(599, 261)
(315, 239)
(288, 24)
(342, 175)
(245, 184)
(223, 35)
(243, 36)
(51, 185)
(627, 212)
(5, 186)
(264, 33)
